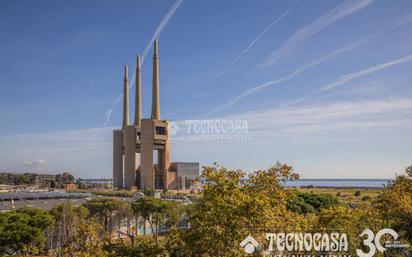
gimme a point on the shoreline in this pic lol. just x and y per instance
(334, 187)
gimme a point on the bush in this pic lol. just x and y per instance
(120, 193)
(142, 247)
(309, 202)
(298, 205)
(358, 193)
(366, 198)
(149, 192)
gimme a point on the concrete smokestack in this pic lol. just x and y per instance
(155, 93)
(138, 100)
(126, 97)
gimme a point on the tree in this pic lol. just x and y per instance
(24, 231)
(408, 171)
(229, 210)
(68, 221)
(103, 208)
(396, 203)
(158, 212)
(88, 241)
(53, 183)
(352, 221)
(20, 179)
(144, 247)
(67, 178)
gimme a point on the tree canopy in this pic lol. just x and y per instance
(103, 208)
(220, 217)
(24, 230)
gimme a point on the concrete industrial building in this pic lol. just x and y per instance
(136, 145)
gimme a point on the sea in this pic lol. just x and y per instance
(331, 183)
(339, 183)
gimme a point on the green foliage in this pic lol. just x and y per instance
(120, 193)
(24, 230)
(21, 179)
(366, 198)
(17, 179)
(31, 178)
(350, 221)
(408, 171)
(88, 241)
(219, 219)
(103, 208)
(158, 212)
(68, 209)
(143, 247)
(396, 203)
(303, 203)
(228, 211)
(75, 234)
(297, 204)
(149, 192)
(67, 178)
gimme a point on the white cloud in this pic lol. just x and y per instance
(36, 163)
(341, 139)
(88, 152)
(303, 122)
(345, 9)
(331, 117)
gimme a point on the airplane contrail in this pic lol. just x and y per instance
(254, 41)
(405, 20)
(357, 74)
(159, 29)
(343, 10)
(351, 76)
(291, 75)
(109, 112)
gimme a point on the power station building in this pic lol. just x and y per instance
(136, 145)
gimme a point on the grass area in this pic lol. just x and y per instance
(357, 196)
(104, 192)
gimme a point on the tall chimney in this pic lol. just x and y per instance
(138, 100)
(155, 93)
(126, 97)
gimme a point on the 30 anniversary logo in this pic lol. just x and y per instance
(333, 242)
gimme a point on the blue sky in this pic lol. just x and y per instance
(323, 85)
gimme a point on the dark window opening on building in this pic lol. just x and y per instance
(160, 130)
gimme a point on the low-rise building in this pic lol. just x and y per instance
(187, 174)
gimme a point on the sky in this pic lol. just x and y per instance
(321, 85)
